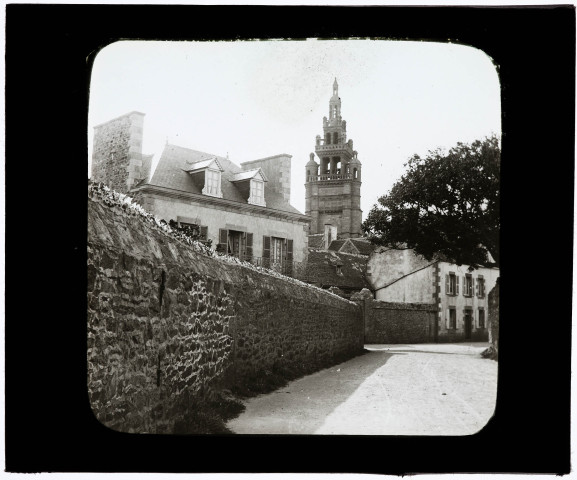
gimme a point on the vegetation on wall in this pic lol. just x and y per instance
(101, 193)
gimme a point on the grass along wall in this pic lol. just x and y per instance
(169, 322)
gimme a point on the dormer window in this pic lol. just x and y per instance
(250, 184)
(212, 183)
(256, 192)
(207, 175)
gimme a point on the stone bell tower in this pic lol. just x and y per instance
(333, 188)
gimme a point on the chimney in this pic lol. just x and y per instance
(117, 152)
(277, 170)
(330, 235)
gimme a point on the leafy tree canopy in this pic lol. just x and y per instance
(445, 206)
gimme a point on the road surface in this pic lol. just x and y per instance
(419, 389)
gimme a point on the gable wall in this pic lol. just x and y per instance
(387, 265)
(418, 287)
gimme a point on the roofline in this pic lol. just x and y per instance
(267, 158)
(201, 169)
(255, 170)
(119, 117)
(246, 208)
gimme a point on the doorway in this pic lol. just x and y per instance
(468, 324)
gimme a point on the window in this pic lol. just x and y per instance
(194, 230)
(277, 253)
(481, 318)
(451, 284)
(235, 243)
(277, 247)
(468, 290)
(328, 139)
(480, 286)
(256, 192)
(453, 319)
(335, 137)
(212, 183)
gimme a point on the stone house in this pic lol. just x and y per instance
(459, 295)
(243, 209)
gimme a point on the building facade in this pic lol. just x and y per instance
(333, 186)
(243, 209)
(460, 296)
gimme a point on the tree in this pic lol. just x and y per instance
(445, 206)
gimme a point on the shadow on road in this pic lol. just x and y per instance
(302, 406)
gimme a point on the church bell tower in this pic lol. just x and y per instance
(333, 187)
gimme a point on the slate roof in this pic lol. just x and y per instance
(336, 245)
(363, 246)
(321, 269)
(171, 173)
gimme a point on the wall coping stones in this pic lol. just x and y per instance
(124, 206)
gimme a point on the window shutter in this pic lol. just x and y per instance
(447, 291)
(457, 279)
(448, 319)
(249, 246)
(472, 286)
(204, 233)
(223, 240)
(289, 257)
(477, 288)
(266, 251)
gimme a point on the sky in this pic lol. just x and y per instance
(254, 99)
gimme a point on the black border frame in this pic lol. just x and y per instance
(49, 426)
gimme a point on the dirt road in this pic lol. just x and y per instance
(424, 389)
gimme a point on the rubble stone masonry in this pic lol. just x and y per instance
(166, 324)
(393, 322)
(117, 152)
(494, 318)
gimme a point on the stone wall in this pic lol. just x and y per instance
(494, 318)
(166, 324)
(400, 323)
(390, 322)
(117, 152)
